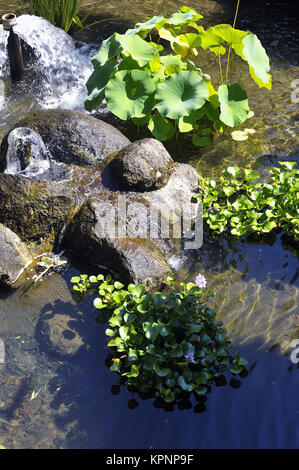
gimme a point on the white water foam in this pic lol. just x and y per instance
(59, 72)
(26, 153)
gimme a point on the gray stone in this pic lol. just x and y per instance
(14, 256)
(144, 165)
(136, 259)
(135, 255)
(71, 136)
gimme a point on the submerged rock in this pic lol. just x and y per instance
(71, 136)
(14, 256)
(61, 335)
(144, 165)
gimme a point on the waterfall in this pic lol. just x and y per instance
(56, 71)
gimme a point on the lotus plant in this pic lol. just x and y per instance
(163, 86)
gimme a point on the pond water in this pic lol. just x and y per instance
(74, 404)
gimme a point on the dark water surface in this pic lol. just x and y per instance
(256, 285)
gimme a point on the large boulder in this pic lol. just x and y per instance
(144, 165)
(14, 257)
(33, 209)
(123, 230)
(71, 136)
(91, 236)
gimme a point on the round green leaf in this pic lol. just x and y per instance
(110, 48)
(130, 94)
(233, 104)
(155, 21)
(184, 15)
(160, 127)
(182, 93)
(139, 49)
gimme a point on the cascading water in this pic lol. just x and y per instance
(55, 70)
(26, 153)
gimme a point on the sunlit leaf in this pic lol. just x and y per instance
(180, 94)
(233, 104)
(130, 94)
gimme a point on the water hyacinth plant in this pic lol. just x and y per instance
(166, 343)
(241, 205)
(165, 87)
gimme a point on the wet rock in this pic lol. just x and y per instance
(14, 256)
(178, 192)
(122, 230)
(136, 259)
(33, 209)
(61, 335)
(144, 165)
(71, 136)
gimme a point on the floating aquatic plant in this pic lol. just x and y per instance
(169, 342)
(241, 204)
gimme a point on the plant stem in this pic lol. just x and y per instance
(232, 68)
(230, 46)
(220, 68)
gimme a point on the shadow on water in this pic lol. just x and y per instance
(99, 414)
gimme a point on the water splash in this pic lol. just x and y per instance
(56, 71)
(26, 153)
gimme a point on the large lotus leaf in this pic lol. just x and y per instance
(139, 49)
(167, 35)
(206, 39)
(228, 33)
(183, 44)
(160, 127)
(109, 49)
(129, 64)
(173, 63)
(154, 22)
(97, 82)
(233, 104)
(184, 15)
(181, 93)
(253, 52)
(188, 123)
(155, 65)
(130, 94)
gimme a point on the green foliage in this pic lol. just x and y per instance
(168, 343)
(242, 206)
(61, 13)
(163, 88)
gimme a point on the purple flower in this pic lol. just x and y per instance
(200, 281)
(190, 358)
